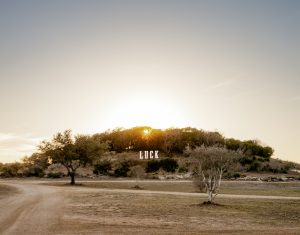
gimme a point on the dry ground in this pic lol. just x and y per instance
(228, 187)
(7, 191)
(44, 209)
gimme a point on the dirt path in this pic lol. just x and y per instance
(35, 209)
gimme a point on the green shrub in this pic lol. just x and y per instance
(11, 170)
(102, 167)
(236, 175)
(152, 166)
(182, 169)
(54, 175)
(246, 160)
(254, 166)
(34, 171)
(230, 175)
(169, 164)
(122, 169)
(275, 169)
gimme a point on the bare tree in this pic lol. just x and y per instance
(138, 172)
(210, 164)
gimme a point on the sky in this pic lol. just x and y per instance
(227, 66)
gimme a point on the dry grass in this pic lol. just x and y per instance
(227, 187)
(262, 188)
(126, 213)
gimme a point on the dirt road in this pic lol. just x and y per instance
(39, 209)
(35, 209)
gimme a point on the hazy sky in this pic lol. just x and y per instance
(89, 66)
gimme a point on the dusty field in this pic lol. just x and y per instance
(43, 209)
(227, 187)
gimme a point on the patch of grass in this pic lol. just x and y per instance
(227, 187)
(137, 187)
(273, 212)
(261, 188)
(183, 215)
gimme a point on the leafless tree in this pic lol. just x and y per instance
(209, 165)
(138, 172)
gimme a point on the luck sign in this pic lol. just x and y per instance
(149, 154)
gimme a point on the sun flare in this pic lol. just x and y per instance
(147, 110)
(146, 132)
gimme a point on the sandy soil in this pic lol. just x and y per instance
(42, 209)
(33, 210)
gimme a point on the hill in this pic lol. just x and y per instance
(120, 156)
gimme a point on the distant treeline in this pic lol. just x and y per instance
(176, 140)
(78, 151)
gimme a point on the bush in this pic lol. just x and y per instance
(34, 171)
(54, 175)
(275, 169)
(169, 164)
(230, 175)
(254, 166)
(102, 167)
(122, 169)
(11, 170)
(182, 169)
(246, 160)
(152, 166)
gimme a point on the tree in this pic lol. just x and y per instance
(138, 172)
(254, 148)
(210, 162)
(171, 140)
(11, 169)
(72, 152)
(35, 164)
(233, 144)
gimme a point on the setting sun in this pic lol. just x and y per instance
(146, 132)
(144, 109)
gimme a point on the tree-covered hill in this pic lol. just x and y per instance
(115, 153)
(176, 140)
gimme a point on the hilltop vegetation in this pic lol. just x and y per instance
(114, 153)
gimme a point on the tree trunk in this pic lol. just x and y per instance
(210, 196)
(72, 175)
